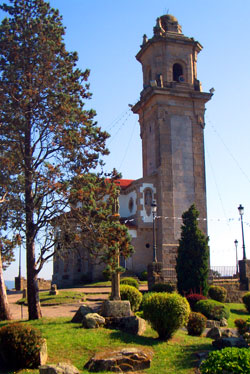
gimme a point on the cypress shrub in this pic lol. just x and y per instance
(217, 293)
(212, 309)
(246, 301)
(130, 282)
(196, 324)
(131, 294)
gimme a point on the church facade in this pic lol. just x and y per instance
(171, 117)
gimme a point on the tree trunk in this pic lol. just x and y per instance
(115, 283)
(34, 308)
(4, 305)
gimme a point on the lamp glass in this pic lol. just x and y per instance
(241, 210)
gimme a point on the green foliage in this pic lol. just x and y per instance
(166, 313)
(228, 360)
(163, 287)
(246, 301)
(217, 293)
(132, 294)
(130, 281)
(212, 309)
(193, 298)
(242, 325)
(143, 276)
(47, 137)
(196, 324)
(193, 253)
(20, 345)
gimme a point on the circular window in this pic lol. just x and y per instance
(147, 245)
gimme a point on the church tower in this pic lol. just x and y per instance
(171, 116)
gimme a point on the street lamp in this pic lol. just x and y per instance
(241, 212)
(236, 246)
(154, 210)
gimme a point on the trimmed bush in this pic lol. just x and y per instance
(20, 345)
(130, 282)
(193, 298)
(196, 324)
(242, 325)
(143, 276)
(246, 301)
(217, 293)
(166, 312)
(163, 287)
(212, 309)
(131, 294)
(228, 360)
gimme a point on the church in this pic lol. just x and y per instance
(171, 118)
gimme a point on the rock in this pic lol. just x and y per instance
(53, 290)
(92, 321)
(211, 323)
(230, 342)
(60, 368)
(43, 354)
(127, 359)
(82, 311)
(214, 333)
(132, 325)
(227, 333)
(223, 322)
(116, 308)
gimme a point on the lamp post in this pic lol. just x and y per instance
(236, 246)
(241, 212)
(154, 210)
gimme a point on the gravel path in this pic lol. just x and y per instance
(94, 298)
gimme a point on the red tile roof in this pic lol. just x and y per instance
(124, 183)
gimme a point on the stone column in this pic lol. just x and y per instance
(244, 266)
(154, 274)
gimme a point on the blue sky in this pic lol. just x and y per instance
(107, 35)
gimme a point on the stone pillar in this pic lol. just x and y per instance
(154, 274)
(244, 266)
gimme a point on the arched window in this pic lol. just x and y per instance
(177, 73)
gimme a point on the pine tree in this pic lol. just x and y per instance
(49, 137)
(192, 263)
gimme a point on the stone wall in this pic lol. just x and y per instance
(21, 284)
(234, 289)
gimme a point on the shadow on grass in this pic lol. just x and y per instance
(134, 339)
(240, 312)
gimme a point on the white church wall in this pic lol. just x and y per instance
(127, 204)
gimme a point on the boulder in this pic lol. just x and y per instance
(82, 311)
(60, 368)
(127, 359)
(116, 308)
(211, 323)
(214, 333)
(230, 342)
(133, 325)
(227, 333)
(92, 321)
(223, 322)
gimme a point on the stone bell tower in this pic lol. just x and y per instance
(171, 116)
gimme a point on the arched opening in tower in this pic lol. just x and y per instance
(177, 73)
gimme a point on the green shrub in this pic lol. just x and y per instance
(143, 276)
(163, 287)
(228, 360)
(242, 325)
(130, 282)
(246, 301)
(20, 345)
(212, 309)
(196, 324)
(193, 298)
(132, 294)
(166, 312)
(217, 293)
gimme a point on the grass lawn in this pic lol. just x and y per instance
(236, 311)
(63, 297)
(69, 342)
